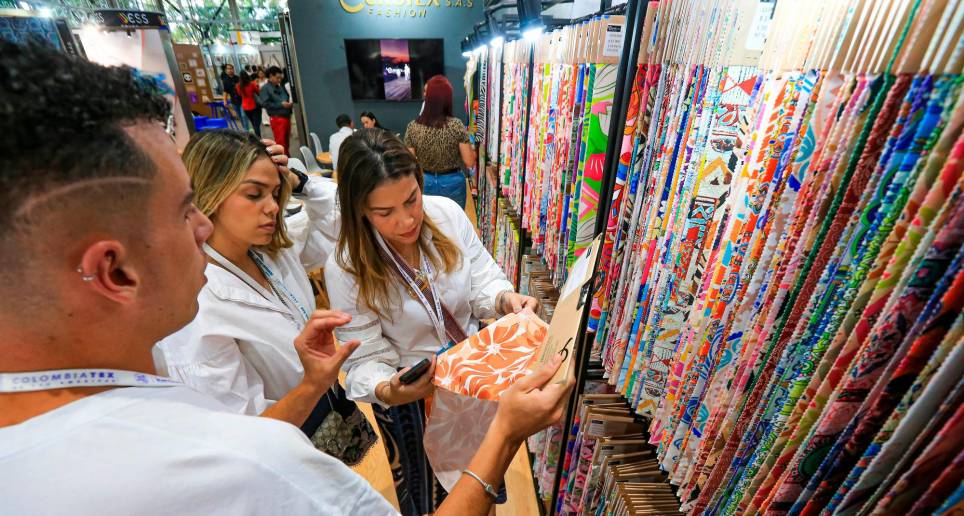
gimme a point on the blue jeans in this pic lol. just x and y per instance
(451, 185)
(242, 121)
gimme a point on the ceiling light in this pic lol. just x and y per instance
(532, 34)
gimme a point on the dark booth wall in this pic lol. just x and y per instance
(320, 28)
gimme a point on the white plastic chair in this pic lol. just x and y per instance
(296, 164)
(316, 142)
(310, 161)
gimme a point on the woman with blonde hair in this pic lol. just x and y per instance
(413, 275)
(243, 346)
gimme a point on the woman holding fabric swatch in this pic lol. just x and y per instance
(415, 278)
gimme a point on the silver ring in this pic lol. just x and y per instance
(85, 279)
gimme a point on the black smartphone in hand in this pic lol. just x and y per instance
(415, 372)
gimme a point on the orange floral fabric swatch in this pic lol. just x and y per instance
(487, 363)
(471, 377)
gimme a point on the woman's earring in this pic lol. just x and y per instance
(85, 279)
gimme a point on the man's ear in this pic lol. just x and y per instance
(105, 268)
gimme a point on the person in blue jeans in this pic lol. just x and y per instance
(451, 185)
(441, 143)
(232, 97)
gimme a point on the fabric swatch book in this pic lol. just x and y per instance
(472, 375)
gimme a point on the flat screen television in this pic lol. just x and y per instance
(392, 69)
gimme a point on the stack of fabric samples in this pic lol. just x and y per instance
(781, 282)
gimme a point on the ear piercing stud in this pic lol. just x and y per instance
(85, 279)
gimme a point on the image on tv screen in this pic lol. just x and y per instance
(392, 69)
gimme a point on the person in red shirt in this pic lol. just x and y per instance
(249, 90)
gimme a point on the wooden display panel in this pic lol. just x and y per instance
(190, 62)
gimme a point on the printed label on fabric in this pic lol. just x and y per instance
(614, 40)
(760, 27)
(564, 326)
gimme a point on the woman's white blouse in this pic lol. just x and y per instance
(407, 335)
(240, 347)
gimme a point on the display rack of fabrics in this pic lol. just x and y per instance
(604, 104)
(516, 70)
(556, 96)
(487, 207)
(473, 108)
(780, 292)
(509, 240)
(484, 72)
(493, 84)
(606, 435)
(552, 160)
(572, 97)
(784, 295)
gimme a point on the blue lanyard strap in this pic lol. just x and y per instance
(299, 315)
(280, 290)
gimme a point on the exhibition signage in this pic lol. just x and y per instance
(401, 8)
(117, 18)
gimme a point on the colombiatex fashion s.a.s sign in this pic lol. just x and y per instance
(402, 8)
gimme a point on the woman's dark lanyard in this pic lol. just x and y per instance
(447, 329)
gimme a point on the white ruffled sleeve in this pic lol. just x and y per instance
(375, 360)
(315, 242)
(222, 372)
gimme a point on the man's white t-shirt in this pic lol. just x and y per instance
(167, 451)
(335, 141)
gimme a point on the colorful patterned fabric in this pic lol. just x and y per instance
(780, 289)
(489, 362)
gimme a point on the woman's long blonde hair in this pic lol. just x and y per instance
(217, 161)
(367, 159)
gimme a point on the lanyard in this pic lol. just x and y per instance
(436, 315)
(278, 290)
(68, 378)
(284, 294)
